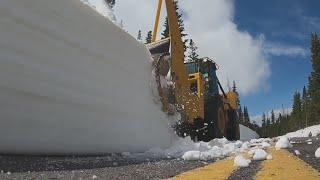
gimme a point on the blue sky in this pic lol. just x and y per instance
(288, 22)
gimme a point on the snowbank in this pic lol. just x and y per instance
(314, 130)
(246, 133)
(72, 82)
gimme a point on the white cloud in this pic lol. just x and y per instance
(210, 23)
(278, 49)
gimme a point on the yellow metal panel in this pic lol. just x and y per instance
(233, 98)
(190, 103)
(156, 23)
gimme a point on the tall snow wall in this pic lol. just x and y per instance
(72, 82)
(246, 133)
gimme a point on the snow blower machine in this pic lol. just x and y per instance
(191, 89)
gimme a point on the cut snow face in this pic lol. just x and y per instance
(84, 86)
(283, 143)
(247, 134)
(317, 153)
(240, 161)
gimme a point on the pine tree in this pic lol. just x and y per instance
(111, 3)
(193, 55)
(139, 37)
(149, 37)
(314, 81)
(246, 116)
(304, 107)
(166, 33)
(241, 121)
(264, 125)
(273, 124)
(268, 127)
(296, 114)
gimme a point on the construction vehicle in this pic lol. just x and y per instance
(192, 89)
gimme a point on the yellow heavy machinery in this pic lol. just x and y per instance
(192, 89)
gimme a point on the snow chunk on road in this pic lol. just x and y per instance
(191, 156)
(240, 161)
(297, 152)
(260, 154)
(317, 153)
(269, 157)
(283, 143)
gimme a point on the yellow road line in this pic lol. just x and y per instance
(285, 165)
(218, 170)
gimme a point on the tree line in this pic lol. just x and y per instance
(306, 104)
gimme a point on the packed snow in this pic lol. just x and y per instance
(283, 143)
(74, 82)
(247, 134)
(240, 161)
(317, 153)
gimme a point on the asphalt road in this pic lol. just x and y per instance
(111, 166)
(120, 166)
(307, 148)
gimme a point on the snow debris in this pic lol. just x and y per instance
(309, 143)
(1, 171)
(126, 154)
(191, 156)
(8, 173)
(260, 154)
(94, 177)
(297, 152)
(265, 145)
(269, 157)
(317, 153)
(240, 161)
(309, 140)
(245, 146)
(283, 143)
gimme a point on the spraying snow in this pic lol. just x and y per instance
(72, 82)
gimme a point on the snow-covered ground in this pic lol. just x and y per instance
(314, 130)
(73, 82)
